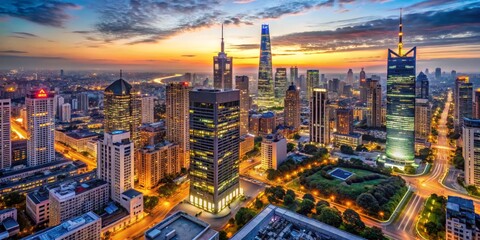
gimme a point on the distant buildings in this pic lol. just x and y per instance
(222, 69)
(374, 103)
(123, 109)
(292, 108)
(422, 119)
(477, 104)
(344, 121)
(40, 127)
(471, 151)
(184, 225)
(215, 141)
(5, 138)
(273, 151)
(265, 97)
(463, 99)
(319, 129)
(313, 80)
(350, 77)
(294, 75)
(66, 113)
(461, 219)
(438, 73)
(242, 85)
(148, 106)
(363, 86)
(422, 86)
(280, 83)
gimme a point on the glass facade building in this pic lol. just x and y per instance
(280, 83)
(313, 80)
(214, 148)
(265, 97)
(422, 86)
(401, 106)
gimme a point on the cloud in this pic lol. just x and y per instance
(83, 32)
(13, 51)
(245, 46)
(243, 1)
(429, 3)
(48, 12)
(24, 34)
(188, 55)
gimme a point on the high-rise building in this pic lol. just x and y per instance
(471, 151)
(273, 151)
(83, 102)
(422, 86)
(222, 69)
(438, 73)
(242, 85)
(280, 83)
(422, 119)
(292, 108)
(374, 103)
(453, 74)
(215, 140)
(362, 74)
(363, 85)
(463, 99)
(122, 109)
(75, 198)
(313, 80)
(460, 219)
(148, 106)
(319, 129)
(344, 121)
(350, 77)
(5, 142)
(177, 118)
(41, 127)
(58, 101)
(86, 226)
(153, 163)
(115, 164)
(66, 115)
(74, 104)
(477, 104)
(400, 146)
(294, 75)
(265, 97)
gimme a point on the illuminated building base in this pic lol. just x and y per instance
(400, 164)
(209, 205)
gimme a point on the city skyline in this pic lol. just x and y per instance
(329, 35)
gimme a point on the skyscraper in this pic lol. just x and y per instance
(422, 119)
(313, 80)
(374, 103)
(319, 129)
(400, 145)
(242, 85)
(344, 121)
(222, 69)
(294, 75)
(5, 142)
(477, 104)
(463, 99)
(265, 97)
(280, 83)
(215, 140)
(438, 73)
(292, 107)
(148, 106)
(123, 109)
(350, 77)
(177, 118)
(83, 103)
(41, 127)
(66, 115)
(115, 162)
(471, 151)
(363, 86)
(362, 74)
(422, 86)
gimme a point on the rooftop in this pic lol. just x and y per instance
(131, 193)
(38, 196)
(180, 226)
(79, 134)
(71, 189)
(119, 87)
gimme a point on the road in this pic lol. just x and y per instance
(160, 79)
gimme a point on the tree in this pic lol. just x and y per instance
(410, 169)
(296, 136)
(352, 221)
(290, 147)
(306, 207)
(330, 216)
(368, 202)
(323, 203)
(149, 202)
(373, 233)
(288, 200)
(243, 216)
(310, 149)
(223, 235)
(14, 198)
(361, 148)
(309, 196)
(346, 150)
(271, 174)
(431, 228)
(291, 193)
(258, 203)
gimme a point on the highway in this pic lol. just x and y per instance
(160, 79)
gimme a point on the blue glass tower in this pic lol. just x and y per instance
(266, 96)
(401, 104)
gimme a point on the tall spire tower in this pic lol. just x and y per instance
(400, 35)
(222, 69)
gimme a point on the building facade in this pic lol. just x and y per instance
(460, 219)
(280, 83)
(422, 119)
(313, 80)
(374, 103)
(344, 121)
(477, 104)
(5, 138)
(319, 129)
(153, 163)
(422, 86)
(471, 151)
(273, 151)
(242, 85)
(463, 99)
(265, 97)
(66, 115)
(148, 106)
(292, 108)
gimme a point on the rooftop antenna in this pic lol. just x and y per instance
(222, 39)
(400, 35)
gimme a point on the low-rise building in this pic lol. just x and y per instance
(76, 139)
(461, 219)
(273, 151)
(8, 213)
(38, 205)
(132, 201)
(8, 223)
(247, 143)
(180, 225)
(352, 140)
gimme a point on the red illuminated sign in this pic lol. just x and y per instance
(42, 94)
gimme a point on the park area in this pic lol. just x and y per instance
(431, 224)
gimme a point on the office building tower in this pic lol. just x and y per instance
(280, 83)
(123, 109)
(422, 86)
(362, 74)
(400, 146)
(74, 104)
(148, 106)
(5, 138)
(66, 113)
(41, 127)
(58, 101)
(294, 75)
(438, 73)
(75, 198)
(313, 80)
(242, 85)
(422, 119)
(177, 118)
(215, 140)
(471, 151)
(350, 77)
(453, 74)
(222, 69)
(344, 121)
(463, 99)
(86, 226)
(374, 103)
(115, 164)
(363, 85)
(319, 129)
(460, 219)
(83, 102)
(155, 162)
(273, 151)
(265, 97)
(292, 108)
(477, 104)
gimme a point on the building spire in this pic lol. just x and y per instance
(400, 35)
(223, 45)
